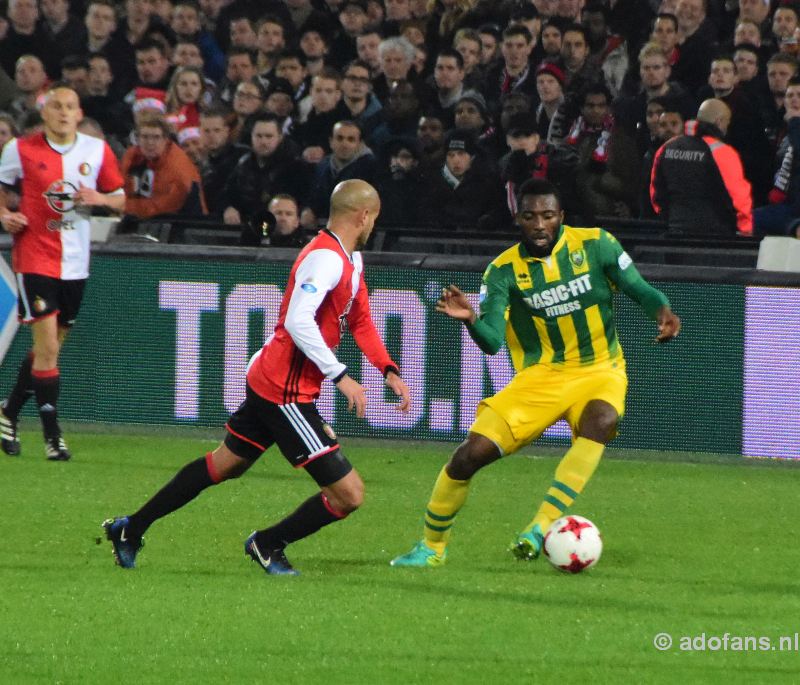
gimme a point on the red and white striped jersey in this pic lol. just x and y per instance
(326, 289)
(55, 242)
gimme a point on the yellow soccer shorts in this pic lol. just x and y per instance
(540, 395)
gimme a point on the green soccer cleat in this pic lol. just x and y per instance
(421, 555)
(528, 545)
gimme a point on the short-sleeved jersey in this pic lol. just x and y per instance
(325, 292)
(55, 242)
(559, 309)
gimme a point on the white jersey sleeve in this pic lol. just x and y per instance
(10, 163)
(318, 274)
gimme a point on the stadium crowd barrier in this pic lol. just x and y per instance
(166, 331)
(646, 241)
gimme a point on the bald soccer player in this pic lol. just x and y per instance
(325, 289)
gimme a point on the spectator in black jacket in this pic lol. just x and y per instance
(326, 109)
(396, 59)
(23, 36)
(550, 88)
(399, 183)
(64, 31)
(746, 131)
(665, 120)
(102, 103)
(530, 156)
(272, 167)
(783, 209)
(513, 73)
(287, 231)
(400, 115)
(362, 106)
(222, 156)
(462, 194)
(349, 159)
(278, 226)
(442, 92)
(654, 72)
(698, 37)
(781, 69)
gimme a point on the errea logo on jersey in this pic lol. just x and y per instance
(60, 196)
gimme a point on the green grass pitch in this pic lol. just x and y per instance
(690, 548)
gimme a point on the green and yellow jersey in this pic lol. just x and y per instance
(559, 309)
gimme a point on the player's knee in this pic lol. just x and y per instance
(353, 497)
(599, 422)
(230, 471)
(45, 356)
(471, 456)
(347, 501)
(225, 465)
(346, 498)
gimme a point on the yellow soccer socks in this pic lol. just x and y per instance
(447, 498)
(572, 474)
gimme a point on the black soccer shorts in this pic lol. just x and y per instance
(41, 296)
(302, 436)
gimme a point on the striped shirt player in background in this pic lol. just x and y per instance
(61, 174)
(550, 297)
(325, 293)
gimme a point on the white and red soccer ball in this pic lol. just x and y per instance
(573, 544)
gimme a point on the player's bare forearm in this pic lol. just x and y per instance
(9, 199)
(12, 222)
(669, 324)
(90, 197)
(116, 203)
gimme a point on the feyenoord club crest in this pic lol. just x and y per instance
(577, 257)
(60, 196)
(329, 431)
(39, 305)
(85, 169)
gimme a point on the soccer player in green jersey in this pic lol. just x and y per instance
(549, 297)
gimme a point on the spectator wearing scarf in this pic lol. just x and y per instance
(783, 209)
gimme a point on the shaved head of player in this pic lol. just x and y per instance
(61, 114)
(355, 206)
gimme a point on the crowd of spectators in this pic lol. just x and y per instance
(232, 107)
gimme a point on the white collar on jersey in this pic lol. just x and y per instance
(338, 240)
(62, 148)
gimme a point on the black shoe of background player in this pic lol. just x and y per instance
(8, 434)
(55, 449)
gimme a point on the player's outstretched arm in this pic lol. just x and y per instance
(355, 393)
(669, 325)
(399, 388)
(455, 304)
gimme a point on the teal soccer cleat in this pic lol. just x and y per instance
(421, 555)
(528, 545)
